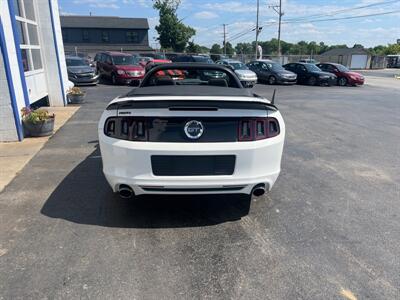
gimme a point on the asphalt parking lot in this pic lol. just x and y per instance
(330, 227)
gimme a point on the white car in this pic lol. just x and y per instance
(189, 135)
(247, 77)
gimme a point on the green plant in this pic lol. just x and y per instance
(75, 91)
(35, 116)
(171, 31)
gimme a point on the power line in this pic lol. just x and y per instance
(383, 3)
(304, 19)
(278, 10)
(257, 27)
(317, 20)
(346, 18)
(243, 34)
(242, 31)
(224, 38)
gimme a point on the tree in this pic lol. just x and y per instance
(358, 46)
(172, 32)
(215, 49)
(392, 49)
(244, 48)
(193, 48)
(229, 48)
(204, 49)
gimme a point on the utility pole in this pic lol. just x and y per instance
(224, 38)
(257, 31)
(278, 10)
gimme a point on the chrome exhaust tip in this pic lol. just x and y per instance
(259, 190)
(125, 191)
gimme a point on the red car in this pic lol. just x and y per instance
(119, 67)
(174, 74)
(143, 60)
(344, 75)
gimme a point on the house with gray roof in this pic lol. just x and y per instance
(90, 34)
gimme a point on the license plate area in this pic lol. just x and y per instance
(193, 165)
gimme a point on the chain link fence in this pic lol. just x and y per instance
(373, 62)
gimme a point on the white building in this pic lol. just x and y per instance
(32, 61)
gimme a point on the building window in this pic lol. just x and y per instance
(104, 36)
(85, 35)
(28, 35)
(132, 37)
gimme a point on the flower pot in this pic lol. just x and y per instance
(76, 98)
(43, 128)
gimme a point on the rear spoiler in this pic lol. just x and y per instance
(191, 105)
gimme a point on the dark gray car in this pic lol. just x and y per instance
(271, 72)
(79, 72)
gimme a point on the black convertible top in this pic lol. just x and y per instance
(189, 90)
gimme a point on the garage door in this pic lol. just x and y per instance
(358, 61)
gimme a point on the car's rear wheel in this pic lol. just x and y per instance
(272, 80)
(312, 80)
(342, 81)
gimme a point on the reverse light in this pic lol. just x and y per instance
(257, 129)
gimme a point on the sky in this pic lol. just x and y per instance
(300, 19)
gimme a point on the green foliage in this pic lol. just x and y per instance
(215, 49)
(193, 48)
(196, 48)
(385, 50)
(392, 49)
(35, 116)
(271, 47)
(245, 48)
(229, 48)
(173, 34)
(358, 46)
(204, 49)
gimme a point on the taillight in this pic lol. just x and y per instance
(257, 129)
(123, 128)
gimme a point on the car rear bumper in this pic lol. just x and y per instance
(129, 163)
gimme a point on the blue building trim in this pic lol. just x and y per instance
(10, 84)
(57, 54)
(18, 51)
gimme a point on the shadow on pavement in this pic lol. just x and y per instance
(85, 197)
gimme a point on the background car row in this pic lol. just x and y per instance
(124, 68)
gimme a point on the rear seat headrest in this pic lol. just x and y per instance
(218, 82)
(166, 80)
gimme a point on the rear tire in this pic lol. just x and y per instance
(271, 80)
(342, 81)
(312, 80)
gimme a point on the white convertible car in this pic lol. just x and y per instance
(191, 129)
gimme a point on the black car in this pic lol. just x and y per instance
(271, 72)
(205, 59)
(310, 74)
(79, 72)
(193, 58)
